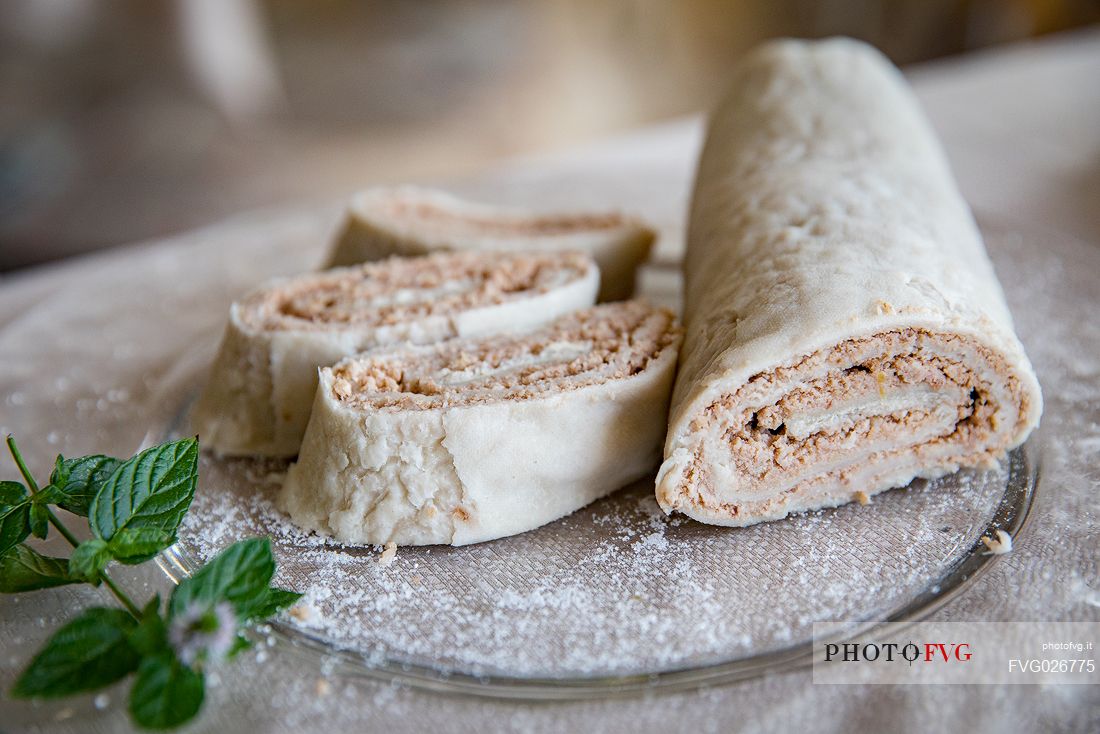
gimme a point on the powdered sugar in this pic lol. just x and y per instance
(617, 588)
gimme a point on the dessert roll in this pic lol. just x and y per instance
(476, 439)
(845, 330)
(261, 386)
(414, 221)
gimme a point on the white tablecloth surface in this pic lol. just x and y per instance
(84, 345)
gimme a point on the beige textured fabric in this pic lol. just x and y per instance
(85, 346)
(408, 220)
(845, 330)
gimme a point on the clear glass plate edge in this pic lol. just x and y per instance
(1011, 515)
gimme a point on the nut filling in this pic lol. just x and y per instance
(398, 291)
(585, 348)
(797, 428)
(432, 217)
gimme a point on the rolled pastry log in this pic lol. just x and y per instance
(261, 386)
(472, 440)
(414, 221)
(845, 331)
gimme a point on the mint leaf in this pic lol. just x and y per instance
(11, 493)
(15, 525)
(146, 494)
(80, 479)
(22, 569)
(88, 561)
(137, 545)
(39, 517)
(239, 574)
(166, 693)
(88, 653)
(49, 495)
(273, 600)
(150, 637)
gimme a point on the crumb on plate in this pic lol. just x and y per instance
(999, 545)
(389, 552)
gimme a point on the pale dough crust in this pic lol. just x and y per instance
(478, 439)
(409, 220)
(261, 386)
(845, 331)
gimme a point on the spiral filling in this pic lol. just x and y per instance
(589, 347)
(468, 220)
(909, 397)
(402, 290)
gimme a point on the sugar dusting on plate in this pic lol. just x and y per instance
(617, 588)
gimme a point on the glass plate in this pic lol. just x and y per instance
(614, 599)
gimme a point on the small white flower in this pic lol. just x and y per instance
(202, 634)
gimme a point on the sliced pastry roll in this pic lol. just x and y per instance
(413, 221)
(261, 386)
(845, 331)
(476, 439)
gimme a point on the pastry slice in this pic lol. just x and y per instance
(258, 397)
(476, 439)
(414, 221)
(846, 332)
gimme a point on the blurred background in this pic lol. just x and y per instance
(127, 119)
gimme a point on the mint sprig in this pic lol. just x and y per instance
(78, 480)
(140, 506)
(25, 569)
(15, 515)
(88, 653)
(134, 510)
(167, 693)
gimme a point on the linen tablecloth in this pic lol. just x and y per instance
(85, 344)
